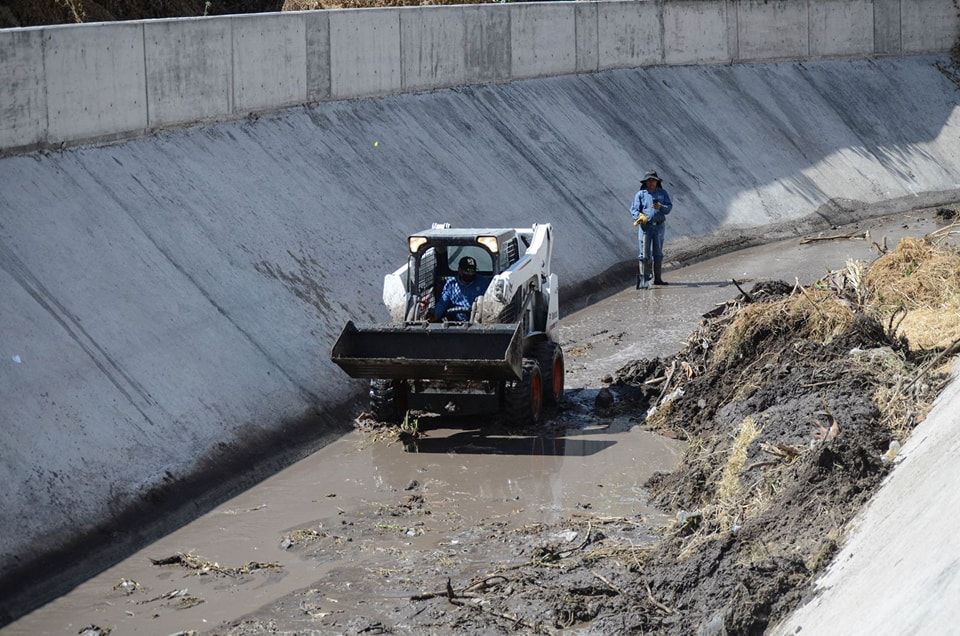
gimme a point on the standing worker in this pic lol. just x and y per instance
(650, 208)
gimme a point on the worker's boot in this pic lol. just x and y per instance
(658, 273)
(643, 278)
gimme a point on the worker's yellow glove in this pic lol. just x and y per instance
(641, 220)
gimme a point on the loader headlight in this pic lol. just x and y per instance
(416, 242)
(489, 242)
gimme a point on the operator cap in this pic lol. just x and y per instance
(468, 264)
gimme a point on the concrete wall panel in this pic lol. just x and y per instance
(928, 25)
(629, 34)
(695, 32)
(886, 27)
(543, 39)
(188, 70)
(772, 29)
(841, 27)
(95, 80)
(23, 106)
(269, 61)
(433, 51)
(488, 43)
(587, 40)
(364, 52)
(317, 24)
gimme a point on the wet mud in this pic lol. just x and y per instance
(690, 482)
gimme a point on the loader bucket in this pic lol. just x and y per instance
(431, 352)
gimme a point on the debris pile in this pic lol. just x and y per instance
(201, 566)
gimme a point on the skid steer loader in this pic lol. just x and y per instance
(505, 356)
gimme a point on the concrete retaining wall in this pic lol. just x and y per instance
(168, 303)
(70, 84)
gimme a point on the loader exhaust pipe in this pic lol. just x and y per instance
(425, 351)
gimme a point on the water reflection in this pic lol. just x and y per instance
(479, 443)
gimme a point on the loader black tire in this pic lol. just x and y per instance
(550, 357)
(523, 399)
(388, 400)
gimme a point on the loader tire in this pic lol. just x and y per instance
(388, 400)
(550, 357)
(523, 399)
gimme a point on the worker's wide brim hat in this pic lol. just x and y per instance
(652, 175)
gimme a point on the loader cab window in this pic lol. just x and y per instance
(482, 256)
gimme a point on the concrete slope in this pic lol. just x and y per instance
(899, 572)
(169, 302)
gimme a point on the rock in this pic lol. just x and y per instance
(604, 399)
(607, 379)
(413, 485)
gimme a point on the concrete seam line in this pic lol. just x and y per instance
(596, 29)
(231, 98)
(736, 30)
(45, 136)
(661, 8)
(900, 22)
(509, 44)
(146, 77)
(403, 75)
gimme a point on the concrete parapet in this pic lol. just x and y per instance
(772, 29)
(269, 61)
(630, 34)
(543, 40)
(188, 68)
(23, 106)
(695, 32)
(432, 47)
(364, 52)
(841, 27)
(95, 80)
(928, 25)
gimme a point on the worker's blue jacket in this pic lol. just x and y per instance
(460, 296)
(643, 202)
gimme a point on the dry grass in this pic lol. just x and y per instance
(815, 314)
(920, 281)
(730, 488)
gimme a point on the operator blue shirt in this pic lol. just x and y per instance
(643, 202)
(460, 296)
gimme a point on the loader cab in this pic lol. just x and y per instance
(435, 253)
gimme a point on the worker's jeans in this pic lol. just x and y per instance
(651, 242)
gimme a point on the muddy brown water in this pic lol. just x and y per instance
(377, 512)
